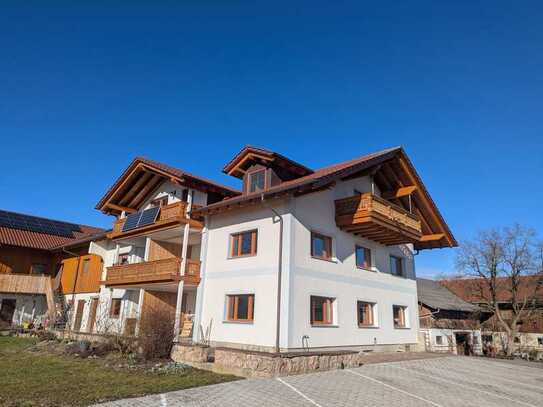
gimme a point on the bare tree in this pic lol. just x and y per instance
(501, 260)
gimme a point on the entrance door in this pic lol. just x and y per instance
(79, 315)
(92, 314)
(462, 344)
(6, 312)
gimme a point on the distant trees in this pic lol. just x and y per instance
(508, 266)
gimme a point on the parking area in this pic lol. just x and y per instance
(438, 382)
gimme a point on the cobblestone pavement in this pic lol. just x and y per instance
(441, 382)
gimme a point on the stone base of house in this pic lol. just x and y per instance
(249, 363)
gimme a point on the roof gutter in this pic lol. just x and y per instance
(279, 275)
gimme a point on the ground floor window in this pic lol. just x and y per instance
(115, 308)
(399, 315)
(240, 307)
(540, 341)
(322, 310)
(439, 340)
(366, 314)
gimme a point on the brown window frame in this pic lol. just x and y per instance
(249, 177)
(328, 247)
(402, 320)
(399, 262)
(327, 310)
(236, 240)
(115, 310)
(367, 255)
(370, 323)
(232, 304)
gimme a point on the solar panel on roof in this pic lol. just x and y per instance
(39, 225)
(131, 221)
(148, 216)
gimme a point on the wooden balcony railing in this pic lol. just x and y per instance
(150, 272)
(168, 215)
(377, 219)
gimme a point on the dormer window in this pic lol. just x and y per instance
(256, 181)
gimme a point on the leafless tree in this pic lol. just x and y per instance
(500, 260)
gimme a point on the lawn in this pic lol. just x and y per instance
(41, 379)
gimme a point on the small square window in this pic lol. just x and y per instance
(540, 341)
(240, 308)
(366, 314)
(517, 339)
(363, 258)
(321, 246)
(396, 266)
(257, 181)
(243, 244)
(38, 268)
(322, 310)
(439, 340)
(115, 308)
(399, 315)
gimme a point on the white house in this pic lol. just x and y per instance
(299, 258)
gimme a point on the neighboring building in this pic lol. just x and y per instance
(30, 254)
(447, 322)
(530, 330)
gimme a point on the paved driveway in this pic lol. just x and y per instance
(442, 382)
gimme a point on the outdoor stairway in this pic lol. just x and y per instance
(186, 331)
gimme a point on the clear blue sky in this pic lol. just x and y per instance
(85, 88)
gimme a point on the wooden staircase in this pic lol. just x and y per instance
(186, 330)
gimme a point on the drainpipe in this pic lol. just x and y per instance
(75, 279)
(279, 274)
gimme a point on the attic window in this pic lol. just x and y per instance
(256, 181)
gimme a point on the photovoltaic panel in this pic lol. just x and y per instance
(131, 221)
(148, 216)
(39, 225)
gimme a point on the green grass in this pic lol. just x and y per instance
(41, 379)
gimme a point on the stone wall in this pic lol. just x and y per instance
(260, 364)
(191, 354)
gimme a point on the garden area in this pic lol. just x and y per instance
(50, 372)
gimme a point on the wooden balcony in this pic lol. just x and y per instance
(377, 219)
(152, 272)
(169, 216)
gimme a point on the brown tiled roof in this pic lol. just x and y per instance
(475, 290)
(32, 237)
(315, 180)
(172, 171)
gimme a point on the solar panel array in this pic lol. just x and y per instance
(39, 225)
(139, 219)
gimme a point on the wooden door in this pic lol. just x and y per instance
(6, 312)
(92, 314)
(79, 315)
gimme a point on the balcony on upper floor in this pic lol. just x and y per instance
(161, 272)
(153, 219)
(377, 219)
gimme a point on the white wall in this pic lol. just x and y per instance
(247, 275)
(174, 193)
(304, 276)
(28, 308)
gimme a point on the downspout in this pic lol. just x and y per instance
(279, 275)
(75, 279)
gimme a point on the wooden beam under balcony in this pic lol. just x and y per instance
(121, 208)
(377, 219)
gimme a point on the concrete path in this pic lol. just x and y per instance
(442, 382)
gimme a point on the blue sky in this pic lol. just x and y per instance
(85, 88)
